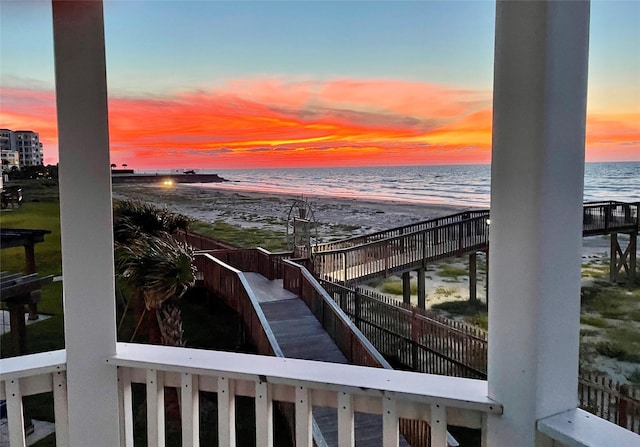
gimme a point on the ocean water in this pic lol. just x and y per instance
(464, 185)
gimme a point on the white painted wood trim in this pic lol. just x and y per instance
(190, 407)
(577, 428)
(155, 408)
(15, 413)
(357, 380)
(346, 423)
(264, 415)
(33, 364)
(226, 412)
(125, 399)
(390, 423)
(86, 220)
(61, 409)
(438, 423)
(303, 417)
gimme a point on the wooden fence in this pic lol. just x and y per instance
(229, 284)
(433, 344)
(610, 400)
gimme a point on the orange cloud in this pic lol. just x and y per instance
(273, 122)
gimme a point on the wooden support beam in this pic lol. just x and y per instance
(613, 257)
(633, 253)
(18, 327)
(486, 284)
(473, 276)
(422, 291)
(406, 288)
(623, 259)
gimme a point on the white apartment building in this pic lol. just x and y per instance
(8, 150)
(7, 140)
(29, 148)
(25, 143)
(10, 160)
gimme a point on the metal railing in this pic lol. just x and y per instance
(351, 342)
(403, 252)
(400, 249)
(609, 217)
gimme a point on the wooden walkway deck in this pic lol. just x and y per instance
(401, 249)
(301, 336)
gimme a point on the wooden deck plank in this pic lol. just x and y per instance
(301, 336)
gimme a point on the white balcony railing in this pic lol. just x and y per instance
(438, 400)
(34, 374)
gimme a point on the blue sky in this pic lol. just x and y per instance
(327, 60)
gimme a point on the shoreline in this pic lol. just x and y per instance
(337, 217)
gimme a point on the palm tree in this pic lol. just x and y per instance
(133, 219)
(153, 270)
(157, 272)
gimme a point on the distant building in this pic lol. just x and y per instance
(7, 140)
(8, 150)
(29, 147)
(25, 143)
(10, 160)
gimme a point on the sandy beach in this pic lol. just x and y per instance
(337, 218)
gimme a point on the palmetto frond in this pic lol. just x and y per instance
(159, 269)
(132, 219)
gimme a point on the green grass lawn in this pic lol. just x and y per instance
(35, 216)
(242, 237)
(45, 215)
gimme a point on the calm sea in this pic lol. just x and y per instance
(465, 185)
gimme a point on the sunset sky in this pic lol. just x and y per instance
(210, 84)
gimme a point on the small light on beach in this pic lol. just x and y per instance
(488, 221)
(167, 183)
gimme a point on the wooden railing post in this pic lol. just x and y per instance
(357, 308)
(622, 406)
(344, 260)
(415, 340)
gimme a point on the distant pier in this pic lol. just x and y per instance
(131, 177)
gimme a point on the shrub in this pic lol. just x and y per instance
(451, 271)
(634, 376)
(594, 321)
(467, 308)
(394, 287)
(611, 350)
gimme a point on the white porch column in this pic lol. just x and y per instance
(86, 222)
(540, 91)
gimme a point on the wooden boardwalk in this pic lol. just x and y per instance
(301, 336)
(378, 255)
